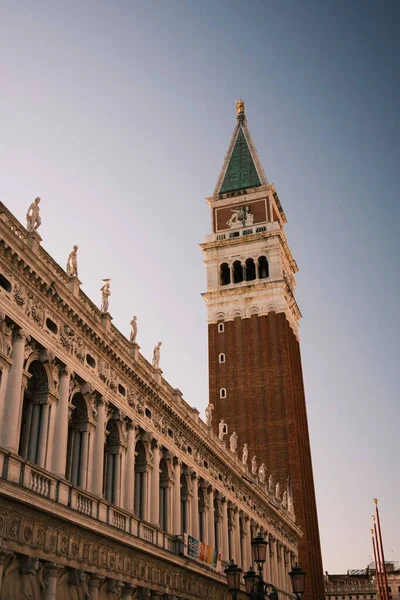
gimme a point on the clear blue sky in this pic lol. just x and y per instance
(118, 114)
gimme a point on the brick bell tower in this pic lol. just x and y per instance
(255, 373)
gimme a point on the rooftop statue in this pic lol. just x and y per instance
(262, 473)
(208, 413)
(239, 108)
(33, 220)
(245, 454)
(133, 324)
(254, 465)
(278, 491)
(105, 294)
(156, 355)
(72, 262)
(233, 442)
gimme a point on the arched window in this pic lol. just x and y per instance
(222, 393)
(222, 357)
(112, 463)
(225, 274)
(263, 267)
(237, 272)
(141, 475)
(78, 443)
(184, 505)
(221, 328)
(164, 495)
(250, 269)
(36, 412)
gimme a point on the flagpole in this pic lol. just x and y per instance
(376, 567)
(378, 553)
(380, 540)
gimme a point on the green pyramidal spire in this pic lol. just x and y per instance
(242, 168)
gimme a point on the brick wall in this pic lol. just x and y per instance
(265, 405)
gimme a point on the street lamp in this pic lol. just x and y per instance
(256, 587)
(233, 573)
(298, 576)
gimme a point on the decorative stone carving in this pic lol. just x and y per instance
(240, 217)
(104, 372)
(134, 326)
(222, 429)
(233, 442)
(72, 262)
(254, 465)
(55, 375)
(208, 413)
(79, 349)
(19, 295)
(156, 355)
(33, 220)
(6, 336)
(245, 454)
(284, 499)
(67, 338)
(37, 311)
(105, 294)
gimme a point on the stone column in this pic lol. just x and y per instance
(155, 486)
(195, 507)
(237, 556)
(130, 468)
(272, 548)
(5, 368)
(211, 521)
(145, 496)
(43, 431)
(247, 540)
(225, 532)
(176, 502)
(61, 425)
(116, 496)
(6, 557)
(34, 433)
(51, 574)
(98, 449)
(13, 404)
(127, 592)
(244, 271)
(83, 466)
(93, 585)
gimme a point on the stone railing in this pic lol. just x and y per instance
(18, 471)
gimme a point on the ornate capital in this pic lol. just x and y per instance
(66, 371)
(20, 334)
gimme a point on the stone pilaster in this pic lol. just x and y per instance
(129, 493)
(176, 504)
(195, 507)
(210, 517)
(98, 449)
(155, 485)
(225, 530)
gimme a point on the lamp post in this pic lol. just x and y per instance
(256, 587)
(298, 576)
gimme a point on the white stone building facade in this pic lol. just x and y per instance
(105, 470)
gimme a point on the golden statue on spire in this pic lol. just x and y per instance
(239, 108)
